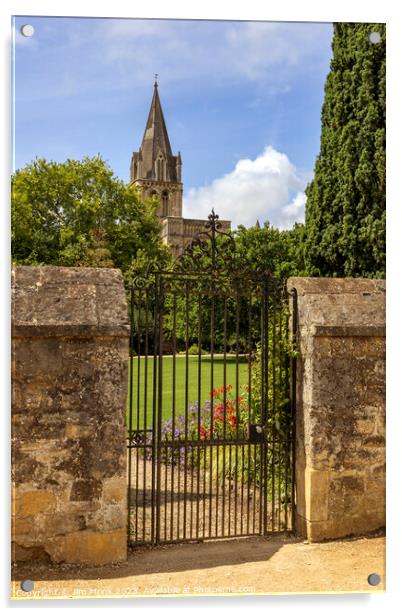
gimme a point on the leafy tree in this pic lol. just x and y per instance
(345, 210)
(280, 253)
(78, 213)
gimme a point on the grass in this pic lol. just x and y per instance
(178, 396)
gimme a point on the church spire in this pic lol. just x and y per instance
(157, 174)
(155, 142)
(153, 166)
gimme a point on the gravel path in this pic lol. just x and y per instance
(256, 565)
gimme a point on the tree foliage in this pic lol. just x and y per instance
(270, 250)
(77, 213)
(345, 210)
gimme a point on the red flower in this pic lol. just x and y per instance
(232, 421)
(203, 432)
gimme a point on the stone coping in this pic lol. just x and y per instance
(68, 301)
(320, 286)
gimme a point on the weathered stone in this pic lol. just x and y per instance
(22, 554)
(365, 426)
(107, 518)
(69, 369)
(340, 407)
(30, 503)
(81, 508)
(22, 525)
(60, 524)
(36, 529)
(376, 441)
(341, 526)
(86, 547)
(75, 431)
(317, 483)
(58, 300)
(115, 489)
(86, 489)
(24, 467)
(345, 493)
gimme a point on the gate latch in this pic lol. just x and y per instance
(256, 433)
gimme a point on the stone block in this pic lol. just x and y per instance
(75, 431)
(346, 495)
(316, 489)
(343, 526)
(21, 526)
(89, 547)
(35, 553)
(110, 517)
(87, 489)
(60, 524)
(33, 502)
(380, 427)
(115, 489)
(365, 426)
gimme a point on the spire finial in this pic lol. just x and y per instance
(156, 80)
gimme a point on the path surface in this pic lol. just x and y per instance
(256, 565)
(197, 504)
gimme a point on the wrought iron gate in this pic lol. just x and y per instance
(210, 430)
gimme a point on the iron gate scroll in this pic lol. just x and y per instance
(210, 427)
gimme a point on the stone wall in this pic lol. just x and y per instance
(178, 232)
(69, 378)
(340, 407)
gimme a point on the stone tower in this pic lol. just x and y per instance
(154, 168)
(156, 171)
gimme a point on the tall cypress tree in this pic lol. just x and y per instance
(345, 209)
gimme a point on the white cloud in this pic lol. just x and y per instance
(180, 50)
(256, 47)
(267, 188)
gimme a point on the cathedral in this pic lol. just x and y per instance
(156, 171)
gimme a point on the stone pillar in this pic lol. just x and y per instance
(340, 407)
(69, 387)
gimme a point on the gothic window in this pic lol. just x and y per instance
(160, 168)
(165, 203)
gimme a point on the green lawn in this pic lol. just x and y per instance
(138, 397)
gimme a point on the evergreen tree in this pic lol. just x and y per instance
(345, 210)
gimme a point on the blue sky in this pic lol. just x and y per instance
(242, 102)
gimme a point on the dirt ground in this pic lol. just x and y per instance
(276, 564)
(198, 505)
